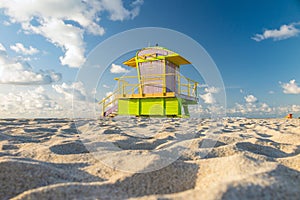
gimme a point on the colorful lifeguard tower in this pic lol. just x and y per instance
(158, 89)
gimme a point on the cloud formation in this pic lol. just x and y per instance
(2, 48)
(208, 96)
(105, 86)
(30, 102)
(284, 32)
(262, 109)
(117, 69)
(212, 90)
(14, 71)
(74, 91)
(64, 23)
(119, 12)
(43, 101)
(250, 109)
(250, 99)
(290, 87)
(19, 48)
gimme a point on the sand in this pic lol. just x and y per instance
(136, 158)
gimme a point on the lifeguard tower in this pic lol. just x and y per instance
(158, 89)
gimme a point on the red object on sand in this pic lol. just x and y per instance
(289, 116)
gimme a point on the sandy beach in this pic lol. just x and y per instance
(244, 159)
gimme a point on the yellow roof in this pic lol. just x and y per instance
(177, 60)
(174, 58)
(130, 62)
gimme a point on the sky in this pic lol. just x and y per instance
(44, 44)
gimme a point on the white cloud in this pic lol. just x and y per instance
(284, 32)
(260, 109)
(212, 90)
(105, 86)
(111, 96)
(74, 91)
(2, 48)
(118, 12)
(14, 71)
(108, 94)
(250, 99)
(289, 109)
(68, 37)
(64, 23)
(208, 98)
(291, 87)
(271, 92)
(136, 5)
(254, 108)
(29, 102)
(210, 110)
(6, 23)
(19, 48)
(117, 69)
(34, 102)
(251, 109)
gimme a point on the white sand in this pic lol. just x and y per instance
(49, 159)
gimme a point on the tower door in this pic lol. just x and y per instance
(171, 72)
(151, 76)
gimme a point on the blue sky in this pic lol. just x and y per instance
(255, 45)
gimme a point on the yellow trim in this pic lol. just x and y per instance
(104, 104)
(172, 57)
(138, 73)
(185, 86)
(168, 94)
(164, 78)
(177, 60)
(131, 62)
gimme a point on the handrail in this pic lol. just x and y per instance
(182, 82)
(109, 96)
(185, 86)
(105, 105)
(162, 75)
(125, 84)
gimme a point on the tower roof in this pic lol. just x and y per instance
(156, 53)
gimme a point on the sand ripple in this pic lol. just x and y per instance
(242, 159)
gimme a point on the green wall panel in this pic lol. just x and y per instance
(150, 106)
(172, 106)
(128, 107)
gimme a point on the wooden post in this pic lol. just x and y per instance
(189, 87)
(103, 108)
(123, 89)
(138, 73)
(196, 89)
(178, 82)
(164, 78)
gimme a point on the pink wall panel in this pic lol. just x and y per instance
(148, 71)
(155, 69)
